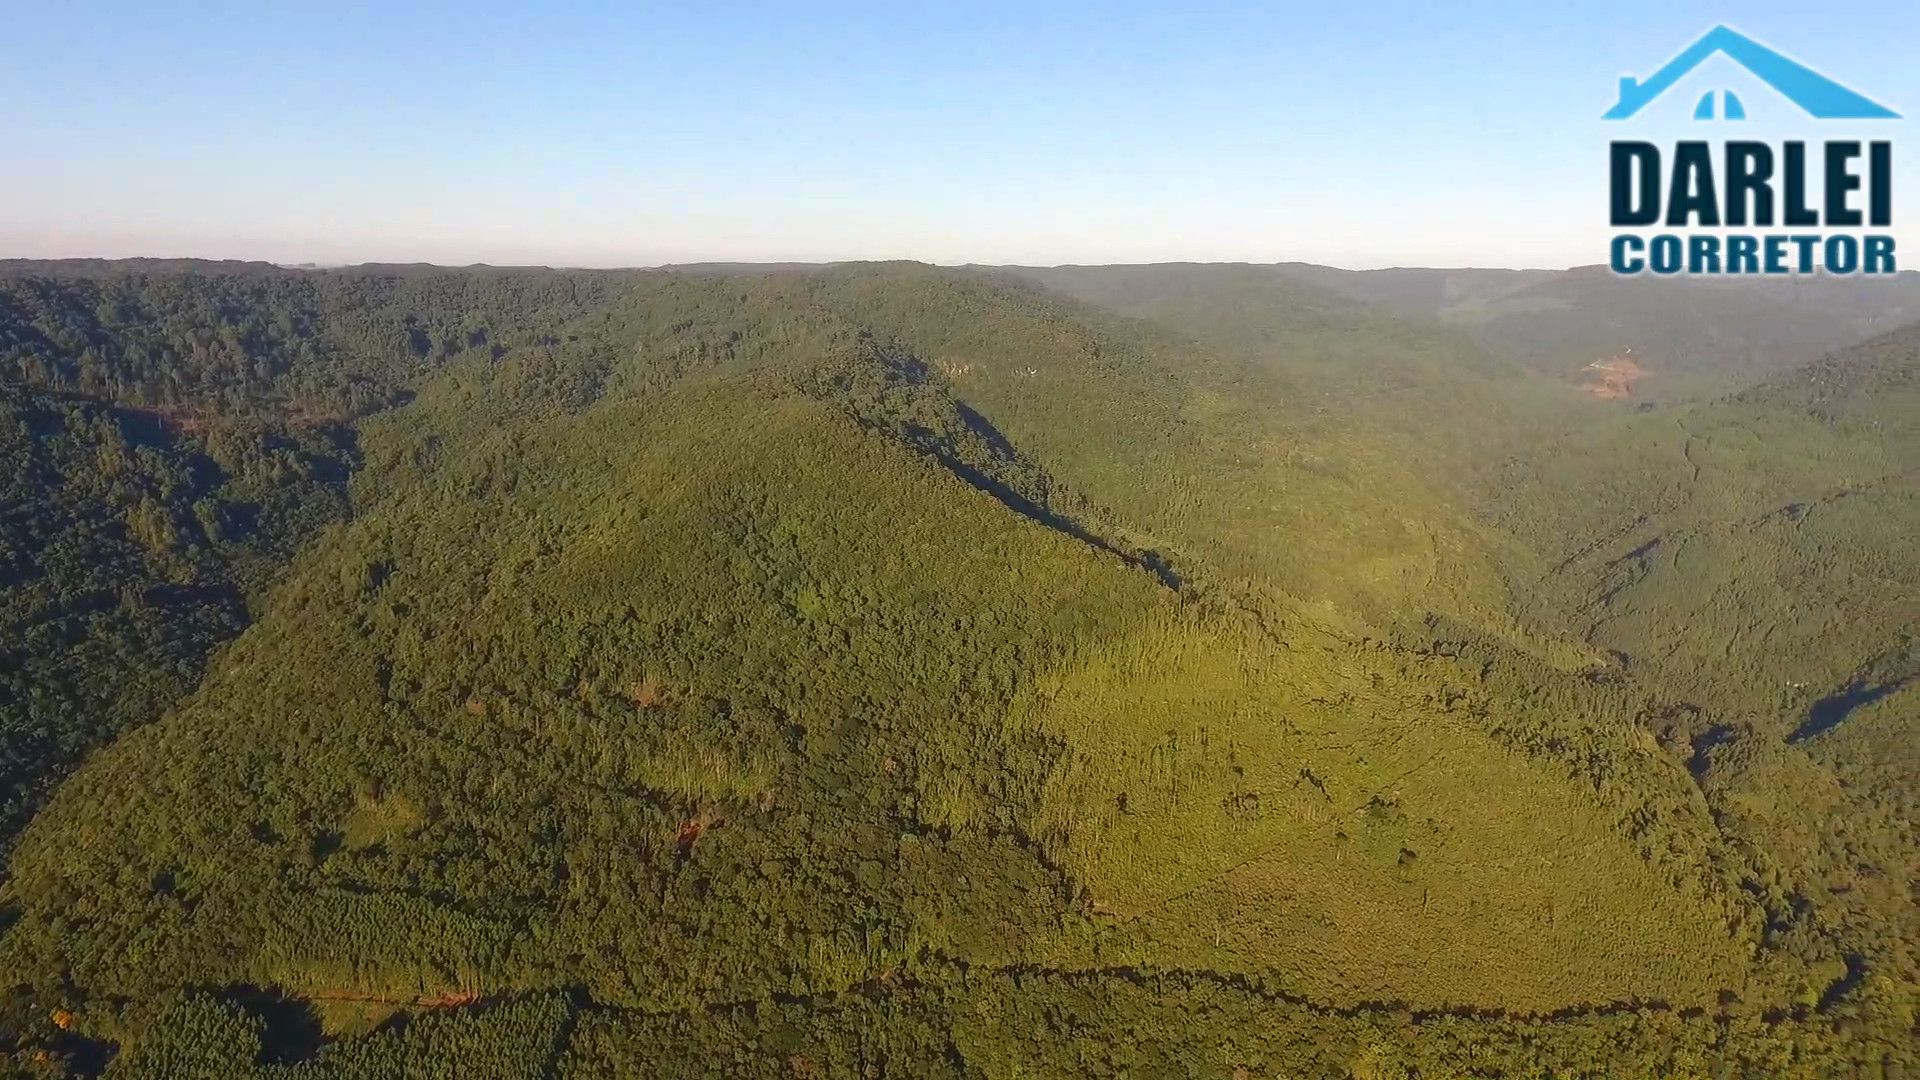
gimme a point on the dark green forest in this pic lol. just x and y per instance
(891, 670)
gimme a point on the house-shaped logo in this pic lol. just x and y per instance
(1821, 97)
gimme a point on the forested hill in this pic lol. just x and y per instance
(1688, 339)
(1751, 556)
(879, 670)
(1637, 341)
(176, 430)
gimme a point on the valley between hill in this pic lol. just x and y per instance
(889, 669)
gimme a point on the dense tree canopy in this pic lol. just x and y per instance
(886, 670)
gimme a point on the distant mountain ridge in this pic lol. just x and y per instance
(1695, 338)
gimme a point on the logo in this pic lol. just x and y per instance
(1688, 210)
(1819, 96)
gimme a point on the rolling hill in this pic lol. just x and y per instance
(898, 670)
(1694, 338)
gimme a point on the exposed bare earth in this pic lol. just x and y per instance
(1614, 377)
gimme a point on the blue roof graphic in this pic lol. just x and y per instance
(1818, 95)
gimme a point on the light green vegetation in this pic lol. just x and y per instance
(917, 672)
(1346, 819)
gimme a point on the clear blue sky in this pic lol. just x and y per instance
(1359, 134)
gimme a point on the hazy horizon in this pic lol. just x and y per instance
(1363, 138)
(310, 264)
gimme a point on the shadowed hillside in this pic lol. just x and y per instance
(894, 670)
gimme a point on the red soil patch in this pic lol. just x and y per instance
(1613, 378)
(690, 831)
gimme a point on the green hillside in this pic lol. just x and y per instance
(1692, 338)
(1758, 544)
(1754, 557)
(887, 670)
(176, 432)
(1749, 559)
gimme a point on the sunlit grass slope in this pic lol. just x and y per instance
(1347, 820)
